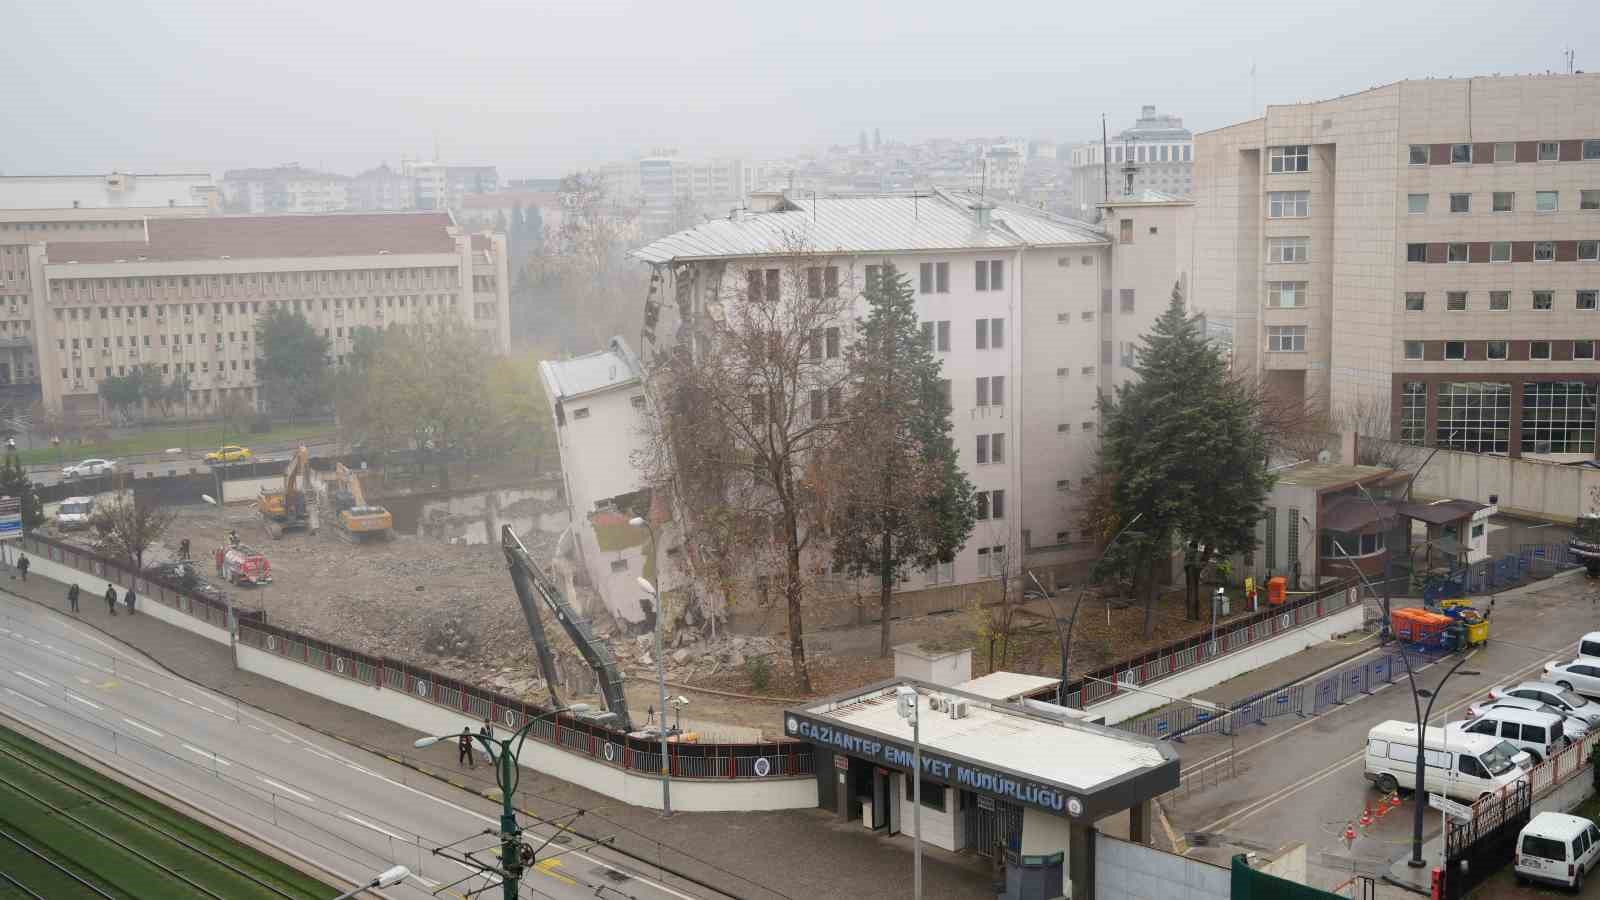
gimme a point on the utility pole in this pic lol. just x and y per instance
(909, 702)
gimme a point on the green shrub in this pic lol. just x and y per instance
(760, 672)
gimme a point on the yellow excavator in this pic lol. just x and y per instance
(357, 519)
(285, 509)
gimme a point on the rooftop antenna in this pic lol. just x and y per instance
(1571, 56)
(1105, 160)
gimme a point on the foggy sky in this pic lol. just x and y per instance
(541, 88)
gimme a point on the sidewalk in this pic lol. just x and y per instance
(758, 855)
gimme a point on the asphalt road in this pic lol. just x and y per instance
(150, 464)
(351, 812)
(1302, 779)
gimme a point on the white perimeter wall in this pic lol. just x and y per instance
(1124, 871)
(93, 590)
(938, 828)
(629, 787)
(1131, 703)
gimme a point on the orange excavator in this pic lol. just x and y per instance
(286, 508)
(358, 520)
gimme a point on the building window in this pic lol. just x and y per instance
(831, 341)
(761, 285)
(1500, 251)
(935, 278)
(1504, 201)
(1126, 295)
(1413, 412)
(1474, 416)
(1455, 349)
(1544, 251)
(1499, 300)
(991, 334)
(1288, 204)
(1591, 149)
(990, 274)
(1415, 300)
(1418, 155)
(1586, 299)
(1293, 158)
(1286, 338)
(1416, 203)
(1286, 294)
(581, 413)
(1558, 416)
(1460, 153)
(1549, 151)
(1539, 350)
(1288, 249)
(1460, 203)
(1125, 231)
(1495, 349)
(1546, 201)
(1455, 301)
(1583, 349)
(1505, 152)
(1588, 251)
(1413, 349)
(822, 281)
(1416, 253)
(1457, 253)
(981, 457)
(1589, 199)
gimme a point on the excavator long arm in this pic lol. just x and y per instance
(535, 587)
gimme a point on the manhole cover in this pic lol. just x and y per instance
(615, 876)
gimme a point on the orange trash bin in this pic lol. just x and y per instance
(1277, 590)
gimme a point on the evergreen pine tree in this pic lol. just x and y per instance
(14, 482)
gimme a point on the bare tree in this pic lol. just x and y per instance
(997, 621)
(1369, 417)
(746, 415)
(128, 527)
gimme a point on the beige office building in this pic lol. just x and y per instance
(1424, 247)
(184, 294)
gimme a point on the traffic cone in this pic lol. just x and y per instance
(1383, 807)
(1366, 817)
(1394, 799)
(1349, 835)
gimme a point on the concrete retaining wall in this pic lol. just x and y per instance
(688, 795)
(1132, 702)
(1125, 871)
(248, 489)
(1567, 797)
(93, 589)
(1526, 487)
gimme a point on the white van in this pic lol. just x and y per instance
(74, 513)
(1539, 733)
(1558, 849)
(1571, 726)
(1463, 766)
(1590, 645)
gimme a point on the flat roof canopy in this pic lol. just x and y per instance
(1067, 768)
(1006, 685)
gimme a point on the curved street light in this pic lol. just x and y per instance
(387, 878)
(661, 664)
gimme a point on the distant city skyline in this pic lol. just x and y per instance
(185, 86)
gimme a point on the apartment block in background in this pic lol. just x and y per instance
(1425, 248)
(1158, 150)
(184, 294)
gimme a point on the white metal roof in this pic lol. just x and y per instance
(1005, 685)
(1081, 756)
(878, 223)
(96, 191)
(1146, 196)
(614, 366)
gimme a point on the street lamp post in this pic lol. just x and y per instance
(661, 664)
(506, 776)
(1066, 639)
(387, 878)
(908, 706)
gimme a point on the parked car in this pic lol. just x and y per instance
(1557, 849)
(1581, 675)
(1589, 646)
(1572, 726)
(74, 513)
(1537, 733)
(1567, 701)
(229, 453)
(88, 468)
(1465, 767)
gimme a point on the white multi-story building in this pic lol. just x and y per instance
(67, 208)
(185, 293)
(382, 189)
(1158, 151)
(284, 189)
(1426, 248)
(1032, 315)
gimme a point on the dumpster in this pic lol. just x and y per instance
(1418, 626)
(1277, 590)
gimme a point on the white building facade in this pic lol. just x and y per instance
(1157, 151)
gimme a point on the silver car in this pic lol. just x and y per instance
(88, 468)
(1569, 702)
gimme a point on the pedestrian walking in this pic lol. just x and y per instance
(111, 599)
(464, 749)
(130, 599)
(22, 565)
(72, 597)
(487, 730)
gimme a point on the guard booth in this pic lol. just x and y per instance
(1019, 782)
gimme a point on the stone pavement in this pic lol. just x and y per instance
(758, 855)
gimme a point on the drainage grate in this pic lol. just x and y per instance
(614, 875)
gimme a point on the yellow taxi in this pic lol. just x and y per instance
(229, 453)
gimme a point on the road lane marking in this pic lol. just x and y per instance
(89, 703)
(206, 753)
(143, 727)
(365, 824)
(286, 789)
(549, 866)
(27, 698)
(43, 684)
